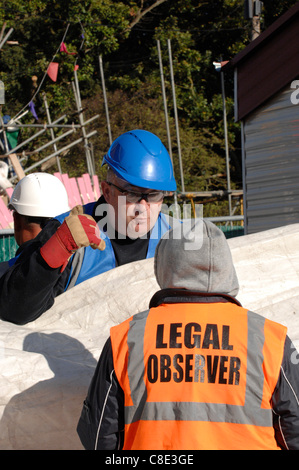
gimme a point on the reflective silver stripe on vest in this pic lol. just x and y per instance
(76, 267)
(250, 413)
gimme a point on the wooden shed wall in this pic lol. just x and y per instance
(271, 164)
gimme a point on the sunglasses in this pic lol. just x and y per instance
(131, 196)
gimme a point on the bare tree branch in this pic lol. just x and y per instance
(141, 13)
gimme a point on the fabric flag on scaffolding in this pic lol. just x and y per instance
(53, 71)
(32, 109)
(64, 49)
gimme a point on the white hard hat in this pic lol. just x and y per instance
(39, 195)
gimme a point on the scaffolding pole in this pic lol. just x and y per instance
(44, 128)
(90, 167)
(51, 130)
(105, 99)
(63, 149)
(164, 100)
(3, 41)
(226, 143)
(167, 120)
(176, 114)
(51, 125)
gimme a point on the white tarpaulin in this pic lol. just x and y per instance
(47, 365)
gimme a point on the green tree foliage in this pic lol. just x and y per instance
(125, 34)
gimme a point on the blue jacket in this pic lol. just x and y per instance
(29, 278)
(87, 262)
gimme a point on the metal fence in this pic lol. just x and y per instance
(8, 245)
(231, 232)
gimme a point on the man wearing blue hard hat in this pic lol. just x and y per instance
(123, 226)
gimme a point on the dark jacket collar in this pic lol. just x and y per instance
(174, 296)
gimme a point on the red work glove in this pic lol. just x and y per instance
(76, 231)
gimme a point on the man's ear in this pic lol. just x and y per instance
(106, 191)
(19, 227)
(18, 221)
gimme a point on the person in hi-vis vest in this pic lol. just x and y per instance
(196, 370)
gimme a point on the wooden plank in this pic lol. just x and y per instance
(17, 166)
(68, 187)
(6, 217)
(89, 190)
(83, 192)
(9, 192)
(76, 193)
(58, 175)
(96, 187)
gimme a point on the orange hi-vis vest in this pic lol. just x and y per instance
(198, 376)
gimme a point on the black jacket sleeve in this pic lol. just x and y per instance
(29, 287)
(285, 400)
(101, 425)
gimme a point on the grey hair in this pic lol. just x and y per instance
(110, 175)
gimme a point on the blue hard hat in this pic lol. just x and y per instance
(140, 158)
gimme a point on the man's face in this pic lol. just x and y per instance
(133, 213)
